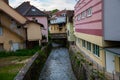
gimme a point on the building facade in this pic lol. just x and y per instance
(14, 29)
(70, 26)
(12, 33)
(34, 14)
(58, 25)
(94, 21)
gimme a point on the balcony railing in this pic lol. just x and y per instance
(58, 20)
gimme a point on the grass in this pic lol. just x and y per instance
(9, 72)
(10, 66)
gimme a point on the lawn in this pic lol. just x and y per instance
(10, 66)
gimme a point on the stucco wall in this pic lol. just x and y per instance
(70, 32)
(9, 36)
(12, 12)
(55, 29)
(99, 60)
(44, 21)
(33, 32)
(90, 38)
(91, 25)
(117, 65)
(8, 23)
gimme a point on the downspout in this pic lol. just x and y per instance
(26, 40)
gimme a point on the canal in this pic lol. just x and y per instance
(58, 65)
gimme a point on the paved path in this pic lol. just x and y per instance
(58, 66)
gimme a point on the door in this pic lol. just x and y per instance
(110, 62)
(15, 46)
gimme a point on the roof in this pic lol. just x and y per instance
(41, 25)
(59, 13)
(113, 50)
(12, 13)
(28, 10)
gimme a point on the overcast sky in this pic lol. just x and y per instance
(47, 4)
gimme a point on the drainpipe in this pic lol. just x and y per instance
(26, 40)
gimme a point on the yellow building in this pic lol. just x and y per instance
(58, 25)
(12, 33)
(34, 35)
(15, 29)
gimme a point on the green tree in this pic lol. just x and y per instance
(54, 11)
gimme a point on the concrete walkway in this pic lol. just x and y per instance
(58, 66)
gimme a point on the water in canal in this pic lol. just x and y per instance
(58, 66)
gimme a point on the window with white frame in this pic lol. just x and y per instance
(79, 17)
(83, 14)
(89, 12)
(1, 31)
(96, 50)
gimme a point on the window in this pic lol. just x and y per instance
(83, 14)
(79, 17)
(34, 19)
(33, 10)
(89, 12)
(1, 31)
(89, 46)
(83, 43)
(1, 46)
(96, 50)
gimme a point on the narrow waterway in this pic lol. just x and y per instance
(58, 66)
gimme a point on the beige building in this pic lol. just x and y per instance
(15, 29)
(34, 35)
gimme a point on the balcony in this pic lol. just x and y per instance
(58, 20)
(13, 27)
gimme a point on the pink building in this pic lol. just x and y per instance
(97, 30)
(34, 14)
(88, 17)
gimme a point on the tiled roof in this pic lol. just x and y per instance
(59, 13)
(28, 10)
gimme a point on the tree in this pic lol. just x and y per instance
(54, 11)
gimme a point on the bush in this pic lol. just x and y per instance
(21, 52)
